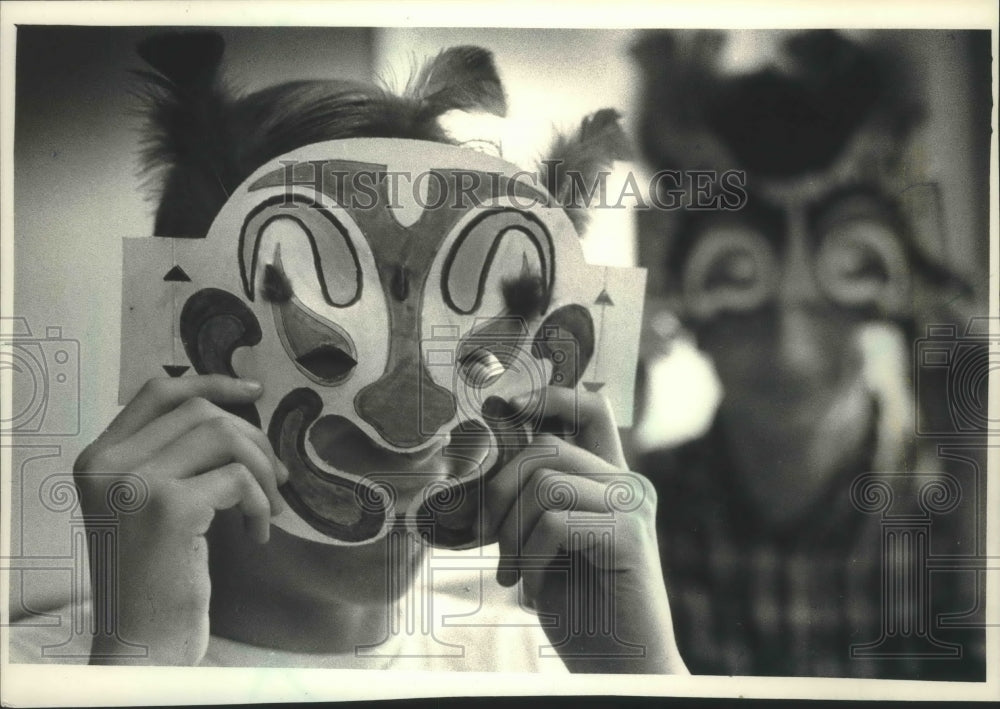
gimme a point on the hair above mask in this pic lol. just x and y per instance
(203, 139)
(207, 139)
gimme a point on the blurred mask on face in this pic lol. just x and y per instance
(777, 291)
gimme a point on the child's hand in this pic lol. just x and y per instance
(579, 529)
(195, 459)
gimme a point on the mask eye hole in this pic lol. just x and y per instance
(320, 348)
(731, 268)
(489, 351)
(858, 263)
(735, 268)
(480, 367)
(861, 263)
(327, 362)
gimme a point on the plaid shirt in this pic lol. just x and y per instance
(749, 600)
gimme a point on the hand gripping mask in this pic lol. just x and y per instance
(392, 296)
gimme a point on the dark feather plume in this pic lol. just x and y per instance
(188, 133)
(575, 162)
(189, 60)
(276, 287)
(525, 295)
(459, 78)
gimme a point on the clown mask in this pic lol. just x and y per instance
(391, 296)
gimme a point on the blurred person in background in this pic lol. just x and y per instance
(807, 298)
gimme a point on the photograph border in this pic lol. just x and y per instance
(27, 685)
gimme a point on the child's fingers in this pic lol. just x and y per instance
(555, 538)
(545, 451)
(163, 394)
(549, 541)
(233, 485)
(130, 453)
(546, 491)
(212, 444)
(586, 416)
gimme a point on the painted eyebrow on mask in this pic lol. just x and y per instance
(525, 295)
(276, 287)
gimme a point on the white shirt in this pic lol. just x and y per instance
(457, 619)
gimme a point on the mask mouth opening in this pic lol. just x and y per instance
(340, 443)
(333, 504)
(350, 490)
(410, 479)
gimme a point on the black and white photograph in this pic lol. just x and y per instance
(420, 349)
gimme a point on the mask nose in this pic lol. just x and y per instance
(800, 341)
(405, 405)
(800, 325)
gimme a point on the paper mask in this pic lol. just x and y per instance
(391, 296)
